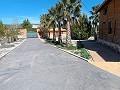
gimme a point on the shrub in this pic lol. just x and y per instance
(77, 52)
(71, 47)
(85, 54)
(49, 41)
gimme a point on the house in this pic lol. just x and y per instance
(35, 26)
(44, 33)
(23, 33)
(109, 31)
(63, 33)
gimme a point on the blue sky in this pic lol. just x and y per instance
(19, 10)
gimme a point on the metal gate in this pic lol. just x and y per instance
(32, 34)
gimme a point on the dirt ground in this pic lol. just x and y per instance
(112, 67)
(103, 57)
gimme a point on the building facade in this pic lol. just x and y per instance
(23, 33)
(109, 31)
(63, 34)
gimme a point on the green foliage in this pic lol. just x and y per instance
(76, 34)
(2, 30)
(85, 54)
(71, 47)
(81, 29)
(26, 24)
(77, 52)
(49, 41)
(12, 35)
(94, 16)
(95, 20)
(44, 20)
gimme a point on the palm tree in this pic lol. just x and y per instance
(95, 19)
(44, 20)
(56, 14)
(59, 18)
(52, 21)
(71, 7)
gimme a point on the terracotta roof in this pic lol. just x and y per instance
(103, 4)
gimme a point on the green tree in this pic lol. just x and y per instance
(95, 19)
(59, 18)
(26, 24)
(81, 29)
(52, 21)
(56, 15)
(71, 7)
(44, 21)
(2, 30)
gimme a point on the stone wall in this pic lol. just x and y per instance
(110, 44)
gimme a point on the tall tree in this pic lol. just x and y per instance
(95, 19)
(44, 20)
(80, 28)
(59, 18)
(71, 7)
(26, 24)
(52, 21)
(2, 30)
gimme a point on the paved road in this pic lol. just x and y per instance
(37, 66)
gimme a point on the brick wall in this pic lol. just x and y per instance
(113, 16)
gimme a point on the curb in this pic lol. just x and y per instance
(74, 54)
(12, 49)
(67, 51)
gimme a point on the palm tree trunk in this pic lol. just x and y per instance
(54, 37)
(68, 36)
(95, 33)
(59, 30)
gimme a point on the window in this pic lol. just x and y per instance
(109, 28)
(105, 11)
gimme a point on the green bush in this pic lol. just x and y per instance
(71, 47)
(85, 54)
(49, 41)
(77, 52)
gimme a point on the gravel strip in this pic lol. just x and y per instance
(5, 50)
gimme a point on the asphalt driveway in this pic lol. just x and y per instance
(38, 66)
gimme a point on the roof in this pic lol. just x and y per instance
(106, 2)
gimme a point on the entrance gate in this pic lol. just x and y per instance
(32, 35)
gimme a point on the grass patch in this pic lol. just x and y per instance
(85, 54)
(77, 52)
(71, 47)
(49, 41)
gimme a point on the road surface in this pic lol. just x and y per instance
(38, 66)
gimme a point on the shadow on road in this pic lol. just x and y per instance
(105, 52)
